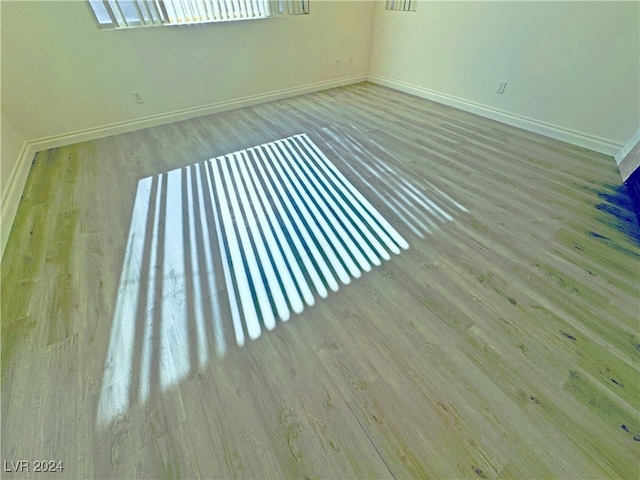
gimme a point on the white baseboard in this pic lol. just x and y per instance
(18, 177)
(624, 151)
(12, 195)
(188, 113)
(627, 161)
(549, 130)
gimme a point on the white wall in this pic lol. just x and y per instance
(13, 174)
(12, 143)
(573, 68)
(65, 81)
(62, 75)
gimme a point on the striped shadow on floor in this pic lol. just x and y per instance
(291, 226)
(250, 237)
(423, 208)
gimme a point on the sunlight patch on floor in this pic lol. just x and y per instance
(421, 206)
(223, 249)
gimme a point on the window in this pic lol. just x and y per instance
(141, 13)
(401, 5)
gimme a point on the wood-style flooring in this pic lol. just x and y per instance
(503, 343)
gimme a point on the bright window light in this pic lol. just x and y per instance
(113, 14)
(401, 5)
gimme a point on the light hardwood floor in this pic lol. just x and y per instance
(504, 343)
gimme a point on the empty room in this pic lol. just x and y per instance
(320, 239)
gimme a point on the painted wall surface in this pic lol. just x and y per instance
(11, 143)
(13, 175)
(575, 65)
(60, 74)
(571, 64)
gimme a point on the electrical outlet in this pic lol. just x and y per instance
(350, 62)
(337, 64)
(501, 87)
(137, 96)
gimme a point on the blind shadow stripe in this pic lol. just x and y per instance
(154, 340)
(418, 198)
(396, 197)
(143, 286)
(321, 209)
(350, 212)
(390, 236)
(276, 247)
(221, 236)
(241, 275)
(330, 245)
(293, 229)
(311, 242)
(427, 182)
(375, 230)
(193, 301)
(235, 190)
(204, 258)
(335, 210)
(250, 204)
